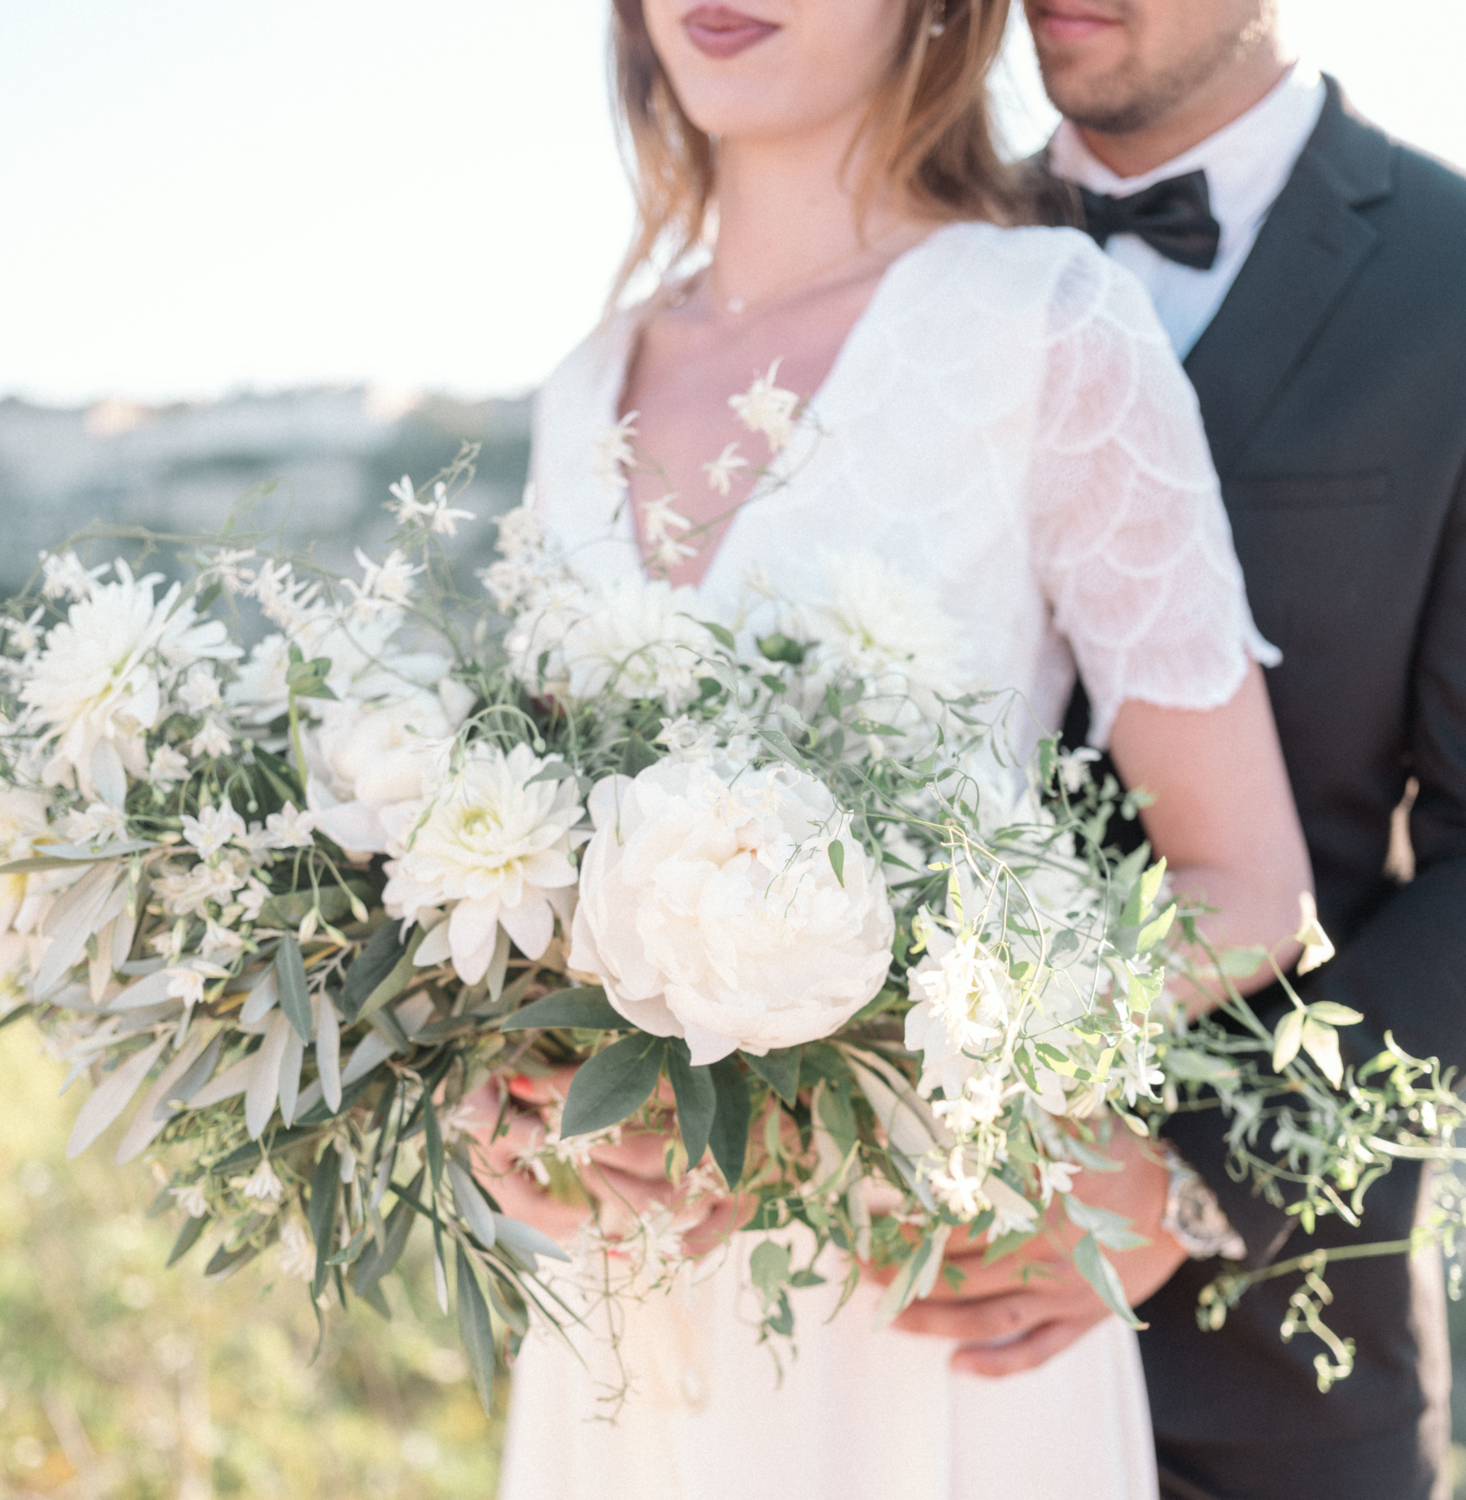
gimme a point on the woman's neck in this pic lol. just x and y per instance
(788, 209)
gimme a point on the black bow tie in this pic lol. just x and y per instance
(1173, 217)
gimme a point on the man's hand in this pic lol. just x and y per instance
(1006, 1324)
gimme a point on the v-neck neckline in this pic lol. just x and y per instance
(614, 390)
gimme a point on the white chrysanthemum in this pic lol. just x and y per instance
(712, 911)
(634, 638)
(882, 628)
(366, 757)
(495, 846)
(105, 675)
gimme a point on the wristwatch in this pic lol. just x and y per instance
(1193, 1217)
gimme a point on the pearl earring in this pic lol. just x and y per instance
(939, 18)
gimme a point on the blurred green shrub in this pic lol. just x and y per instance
(121, 1380)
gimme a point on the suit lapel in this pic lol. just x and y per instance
(1309, 250)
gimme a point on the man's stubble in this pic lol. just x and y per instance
(1139, 93)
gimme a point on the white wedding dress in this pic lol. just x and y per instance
(1006, 428)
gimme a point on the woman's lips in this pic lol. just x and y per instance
(717, 31)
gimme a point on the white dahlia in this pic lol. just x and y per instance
(494, 845)
(105, 676)
(710, 909)
(634, 639)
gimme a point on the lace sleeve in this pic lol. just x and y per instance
(1131, 541)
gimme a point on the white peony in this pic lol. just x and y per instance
(495, 845)
(364, 758)
(711, 910)
(105, 676)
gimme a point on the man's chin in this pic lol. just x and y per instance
(1101, 103)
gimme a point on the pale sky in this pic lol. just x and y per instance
(199, 196)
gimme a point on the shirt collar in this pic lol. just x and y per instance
(1246, 162)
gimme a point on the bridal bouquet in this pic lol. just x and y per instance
(302, 912)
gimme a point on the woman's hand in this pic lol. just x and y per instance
(1024, 1308)
(626, 1178)
(1224, 819)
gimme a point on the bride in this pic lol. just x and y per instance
(1004, 434)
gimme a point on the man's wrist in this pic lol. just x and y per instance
(1194, 1218)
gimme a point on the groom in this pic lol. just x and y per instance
(1311, 273)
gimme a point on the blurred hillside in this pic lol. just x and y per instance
(180, 468)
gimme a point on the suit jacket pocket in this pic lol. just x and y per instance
(1322, 557)
(1275, 492)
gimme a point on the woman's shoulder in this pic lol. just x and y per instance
(1056, 275)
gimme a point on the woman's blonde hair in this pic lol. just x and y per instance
(929, 128)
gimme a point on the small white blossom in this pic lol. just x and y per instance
(1073, 768)
(191, 1199)
(219, 943)
(957, 1189)
(661, 524)
(24, 634)
(199, 690)
(252, 899)
(614, 452)
(212, 829)
(385, 586)
(688, 738)
(167, 767)
(1056, 1177)
(404, 503)
(263, 1185)
(187, 985)
(297, 1255)
(290, 828)
(443, 519)
(721, 470)
(225, 566)
(212, 740)
(768, 408)
(65, 578)
(1318, 948)
(99, 824)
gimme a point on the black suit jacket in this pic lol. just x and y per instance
(1332, 384)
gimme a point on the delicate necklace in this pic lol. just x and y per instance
(806, 281)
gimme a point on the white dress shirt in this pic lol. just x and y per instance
(1246, 165)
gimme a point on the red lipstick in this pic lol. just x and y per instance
(719, 31)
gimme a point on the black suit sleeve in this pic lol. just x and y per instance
(1405, 971)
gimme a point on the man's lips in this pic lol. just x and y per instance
(718, 31)
(1070, 23)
